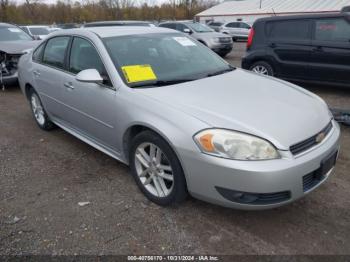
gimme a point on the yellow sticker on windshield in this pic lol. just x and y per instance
(138, 73)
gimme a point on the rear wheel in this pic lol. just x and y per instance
(38, 111)
(263, 68)
(157, 170)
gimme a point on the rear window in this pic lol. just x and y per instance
(334, 29)
(288, 30)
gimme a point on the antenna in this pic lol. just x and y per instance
(261, 3)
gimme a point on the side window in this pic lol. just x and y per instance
(83, 56)
(181, 27)
(55, 51)
(38, 53)
(244, 25)
(233, 25)
(333, 29)
(288, 30)
(171, 26)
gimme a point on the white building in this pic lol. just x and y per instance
(250, 10)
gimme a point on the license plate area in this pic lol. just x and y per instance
(328, 163)
(313, 179)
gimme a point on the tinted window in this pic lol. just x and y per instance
(245, 26)
(291, 30)
(181, 27)
(38, 53)
(55, 51)
(235, 25)
(215, 24)
(336, 29)
(84, 56)
(171, 26)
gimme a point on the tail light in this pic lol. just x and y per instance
(250, 38)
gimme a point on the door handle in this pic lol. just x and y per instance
(36, 73)
(69, 85)
(272, 45)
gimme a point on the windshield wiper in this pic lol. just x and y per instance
(162, 83)
(220, 72)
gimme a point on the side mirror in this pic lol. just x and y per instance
(89, 76)
(36, 37)
(187, 31)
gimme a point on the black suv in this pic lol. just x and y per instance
(312, 48)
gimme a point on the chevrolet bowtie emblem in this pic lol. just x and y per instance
(320, 137)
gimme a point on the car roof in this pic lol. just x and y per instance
(36, 26)
(297, 17)
(112, 31)
(118, 22)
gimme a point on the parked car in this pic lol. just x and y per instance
(38, 32)
(310, 48)
(238, 30)
(215, 25)
(219, 43)
(118, 23)
(68, 26)
(182, 117)
(13, 43)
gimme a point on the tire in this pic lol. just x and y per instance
(263, 68)
(38, 111)
(157, 183)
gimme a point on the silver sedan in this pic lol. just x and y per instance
(184, 120)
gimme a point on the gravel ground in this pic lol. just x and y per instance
(44, 175)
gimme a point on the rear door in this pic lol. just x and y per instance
(233, 28)
(48, 72)
(330, 58)
(90, 106)
(289, 43)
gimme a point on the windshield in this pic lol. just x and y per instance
(39, 30)
(162, 58)
(13, 34)
(199, 28)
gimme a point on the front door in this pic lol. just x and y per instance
(289, 42)
(330, 58)
(90, 106)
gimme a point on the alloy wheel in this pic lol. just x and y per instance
(38, 109)
(260, 70)
(154, 170)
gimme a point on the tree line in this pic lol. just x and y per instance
(37, 12)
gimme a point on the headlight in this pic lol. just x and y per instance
(235, 145)
(216, 40)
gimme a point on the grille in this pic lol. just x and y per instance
(311, 180)
(310, 142)
(225, 40)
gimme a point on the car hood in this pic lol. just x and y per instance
(266, 107)
(17, 47)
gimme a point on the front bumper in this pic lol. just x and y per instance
(206, 174)
(10, 80)
(222, 48)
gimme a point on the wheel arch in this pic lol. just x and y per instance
(27, 88)
(137, 128)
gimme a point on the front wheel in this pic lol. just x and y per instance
(157, 170)
(262, 68)
(38, 111)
